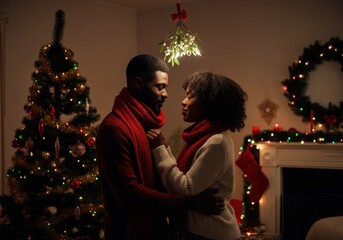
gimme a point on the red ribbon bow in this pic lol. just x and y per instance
(181, 13)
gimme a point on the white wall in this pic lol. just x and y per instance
(103, 38)
(252, 42)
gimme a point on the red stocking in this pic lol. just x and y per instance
(259, 182)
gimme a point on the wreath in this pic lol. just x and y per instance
(296, 85)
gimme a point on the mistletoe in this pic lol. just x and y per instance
(180, 41)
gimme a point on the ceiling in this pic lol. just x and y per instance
(144, 5)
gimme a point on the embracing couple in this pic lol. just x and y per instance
(147, 192)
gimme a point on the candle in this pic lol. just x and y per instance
(277, 128)
(255, 130)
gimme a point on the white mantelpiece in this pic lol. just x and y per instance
(275, 156)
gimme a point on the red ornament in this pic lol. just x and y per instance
(75, 184)
(41, 127)
(32, 113)
(90, 141)
(15, 143)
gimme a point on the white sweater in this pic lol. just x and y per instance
(212, 167)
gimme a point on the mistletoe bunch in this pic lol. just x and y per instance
(180, 41)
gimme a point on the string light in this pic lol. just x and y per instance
(295, 87)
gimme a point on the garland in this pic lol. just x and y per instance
(295, 86)
(293, 136)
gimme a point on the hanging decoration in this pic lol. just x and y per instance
(296, 85)
(57, 147)
(52, 112)
(91, 141)
(78, 150)
(259, 182)
(75, 184)
(180, 41)
(268, 110)
(29, 143)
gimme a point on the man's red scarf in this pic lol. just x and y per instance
(195, 136)
(138, 117)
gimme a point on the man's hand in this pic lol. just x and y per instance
(207, 203)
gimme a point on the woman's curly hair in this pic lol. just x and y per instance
(223, 98)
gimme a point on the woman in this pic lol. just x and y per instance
(216, 106)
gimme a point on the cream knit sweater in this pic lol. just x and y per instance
(212, 167)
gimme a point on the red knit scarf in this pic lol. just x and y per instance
(138, 117)
(195, 136)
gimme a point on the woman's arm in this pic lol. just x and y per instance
(210, 161)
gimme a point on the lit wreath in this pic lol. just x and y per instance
(295, 86)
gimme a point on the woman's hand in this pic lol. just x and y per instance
(156, 138)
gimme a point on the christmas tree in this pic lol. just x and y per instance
(54, 187)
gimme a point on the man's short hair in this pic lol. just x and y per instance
(144, 66)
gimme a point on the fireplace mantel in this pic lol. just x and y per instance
(275, 156)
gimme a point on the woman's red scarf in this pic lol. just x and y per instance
(138, 117)
(195, 136)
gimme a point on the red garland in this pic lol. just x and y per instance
(181, 13)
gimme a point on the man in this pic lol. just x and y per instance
(135, 202)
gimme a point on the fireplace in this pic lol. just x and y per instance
(306, 184)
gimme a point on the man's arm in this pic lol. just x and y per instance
(116, 151)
